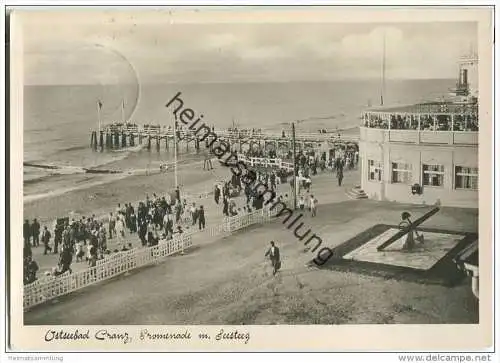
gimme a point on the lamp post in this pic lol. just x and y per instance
(294, 188)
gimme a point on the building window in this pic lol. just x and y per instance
(433, 175)
(374, 170)
(466, 178)
(401, 173)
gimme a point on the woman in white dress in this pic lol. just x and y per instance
(120, 228)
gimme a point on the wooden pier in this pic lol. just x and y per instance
(153, 137)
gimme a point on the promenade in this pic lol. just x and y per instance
(229, 281)
(200, 193)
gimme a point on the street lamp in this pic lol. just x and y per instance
(294, 187)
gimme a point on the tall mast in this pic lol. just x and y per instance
(294, 188)
(382, 89)
(123, 110)
(175, 154)
(99, 106)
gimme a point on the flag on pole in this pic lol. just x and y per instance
(99, 103)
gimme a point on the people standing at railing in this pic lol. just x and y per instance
(133, 222)
(178, 211)
(65, 260)
(225, 206)
(30, 268)
(143, 230)
(120, 228)
(168, 224)
(101, 239)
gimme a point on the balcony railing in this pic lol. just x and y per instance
(419, 137)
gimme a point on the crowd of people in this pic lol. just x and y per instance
(89, 239)
(440, 122)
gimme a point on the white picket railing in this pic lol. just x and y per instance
(265, 162)
(44, 290)
(47, 289)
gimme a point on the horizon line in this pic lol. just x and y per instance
(237, 82)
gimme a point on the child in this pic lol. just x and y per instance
(79, 252)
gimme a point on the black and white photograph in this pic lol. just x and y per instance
(222, 167)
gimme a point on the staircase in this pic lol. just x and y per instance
(356, 193)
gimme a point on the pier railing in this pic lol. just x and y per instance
(47, 289)
(166, 131)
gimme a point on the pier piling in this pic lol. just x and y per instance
(93, 140)
(117, 140)
(101, 140)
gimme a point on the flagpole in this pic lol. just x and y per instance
(123, 111)
(175, 176)
(99, 116)
(294, 188)
(175, 154)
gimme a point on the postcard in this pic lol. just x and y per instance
(250, 179)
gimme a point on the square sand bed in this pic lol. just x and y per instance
(429, 263)
(422, 257)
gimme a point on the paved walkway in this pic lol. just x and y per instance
(324, 188)
(230, 281)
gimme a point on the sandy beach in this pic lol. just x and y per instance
(103, 197)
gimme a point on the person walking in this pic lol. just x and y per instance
(45, 240)
(207, 163)
(194, 213)
(340, 176)
(216, 194)
(274, 255)
(312, 205)
(201, 218)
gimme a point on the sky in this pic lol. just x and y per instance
(110, 47)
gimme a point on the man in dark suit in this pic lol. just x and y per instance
(274, 255)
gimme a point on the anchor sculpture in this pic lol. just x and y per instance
(408, 228)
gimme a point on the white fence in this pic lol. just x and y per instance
(44, 290)
(264, 162)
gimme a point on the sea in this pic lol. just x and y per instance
(58, 119)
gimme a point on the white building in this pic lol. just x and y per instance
(424, 153)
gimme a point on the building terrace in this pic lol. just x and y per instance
(431, 116)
